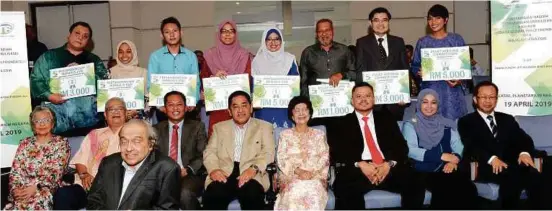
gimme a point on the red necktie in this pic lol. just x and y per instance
(173, 151)
(377, 158)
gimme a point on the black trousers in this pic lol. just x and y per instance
(351, 185)
(513, 181)
(191, 187)
(72, 197)
(219, 195)
(450, 191)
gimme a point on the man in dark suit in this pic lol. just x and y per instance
(371, 154)
(379, 51)
(183, 141)
(503, 150)
(137, 178)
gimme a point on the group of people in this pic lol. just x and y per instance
(130, 164)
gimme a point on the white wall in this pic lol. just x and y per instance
(139, 21)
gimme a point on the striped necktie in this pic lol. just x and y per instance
(493, 125)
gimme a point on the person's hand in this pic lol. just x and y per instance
(498, 165)
(131, 114)
(473, 62)
(303, 174)
(369, 170)
(72, 64)
(246, 176)
(451, 158)
(56, 98)
(402, 103)
(383, 171)
(86, 181)
(335, 78)
(26, 192)
(183, 172)
(420, 73)
(201, 95)
(450, 167)
(526, 160)
(453, 83)
(218, 176)
(190, 108)
(221, 74)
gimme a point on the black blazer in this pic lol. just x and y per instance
(156, 185)
(367, 55)
(347, 143)
(193, 142)
(480, 144)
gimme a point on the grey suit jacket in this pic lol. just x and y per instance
(192, 143)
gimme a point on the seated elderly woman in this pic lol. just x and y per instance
(99, 143)
(303, 161)
(39, 163)
(435, 147)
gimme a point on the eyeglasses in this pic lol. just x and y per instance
(273, 40)
(42, 121)
(224, 31)
(487, 97)
(115, 110)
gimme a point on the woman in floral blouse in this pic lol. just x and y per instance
(38, 165)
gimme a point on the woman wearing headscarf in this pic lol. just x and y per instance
(228, 57)
(271, 59)
(435, 146)
(127, 67)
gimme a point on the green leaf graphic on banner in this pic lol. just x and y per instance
(259, 91)
(102, 97)
(541, 82)
(507, 35)
(139, 90)
(405, 83)
(155, 90)
(90, 77)
(316, 101)
(295, 88)
(15, 112)
(55, 85)
(209, 95)
(427, 65)
(465, 59)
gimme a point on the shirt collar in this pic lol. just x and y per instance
(244, 126)
(359, 115)
(319, 46)
(179, 124)
(384, 37)
(128, 168)
(484, 115)
(180, 50)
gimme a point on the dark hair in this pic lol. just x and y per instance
(83, 24)
(296, 101)
(324, 20)
(169, 20)
(68, 178)
(379, 10)
(482, 84)
(362, 84)
(409, 47)
(471, 53)
(198, 51)
(438, 11)
(166, 97)
(238, 93)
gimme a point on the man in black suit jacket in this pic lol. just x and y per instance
(137, 178)
(189, 140)
(370, 158)
(380, 51)
(502, 149)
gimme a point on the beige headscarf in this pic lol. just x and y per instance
(130, 70)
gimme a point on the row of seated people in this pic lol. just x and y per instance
(161, 166)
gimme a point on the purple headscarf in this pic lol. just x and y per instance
(230, 58)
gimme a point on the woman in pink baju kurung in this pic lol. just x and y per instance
(303, 162)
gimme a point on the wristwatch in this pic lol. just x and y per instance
(256, 168)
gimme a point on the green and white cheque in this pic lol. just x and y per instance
(131, 90)
(446, 63)
(270, 91)
(217, 90)
(74, 81)
(161, 84)
(391, 86)
(328, 101)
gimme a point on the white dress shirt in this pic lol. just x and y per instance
(484, 116)
(383, 43)
(179, 156)
(238, 139)
(366, 155)
(129, 174)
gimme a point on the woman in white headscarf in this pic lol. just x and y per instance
(127, 67)
(271, 59)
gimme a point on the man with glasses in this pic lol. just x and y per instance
(503, 150)
(173, 58)
(137, 178)
(326, 59)
(379, 51)
(184, 141)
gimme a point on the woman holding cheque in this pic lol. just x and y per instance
(451, 92)
(271, 59)
(228, 57)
